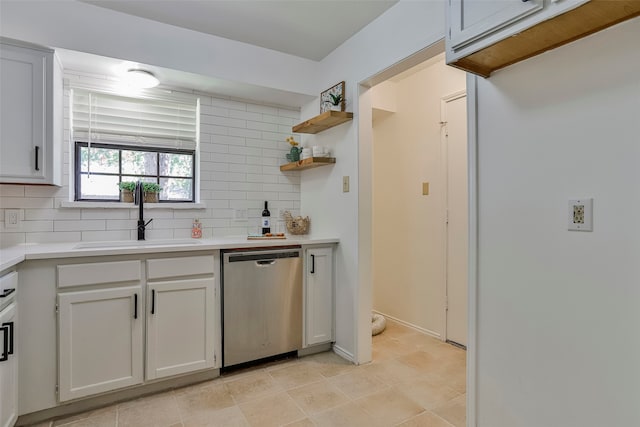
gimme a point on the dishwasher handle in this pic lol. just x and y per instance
(265, 262)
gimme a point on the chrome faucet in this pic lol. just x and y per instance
(139, 200)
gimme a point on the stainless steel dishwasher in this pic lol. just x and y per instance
(262, 303)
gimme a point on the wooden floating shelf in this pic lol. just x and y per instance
(589, 18)
(324, 121)
(310, 163)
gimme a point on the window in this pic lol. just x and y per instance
(102, 167)
(120, 139)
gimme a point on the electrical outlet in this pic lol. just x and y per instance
(345, 184)
(240, 214)
(580, 215)
(12, 218)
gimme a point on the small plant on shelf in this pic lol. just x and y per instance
(336, 101)
(294, 153)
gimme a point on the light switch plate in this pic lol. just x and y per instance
(345, 184)
(580, 215)
(425, 188)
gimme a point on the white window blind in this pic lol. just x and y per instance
(101, 117)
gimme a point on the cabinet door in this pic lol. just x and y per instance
(23, 133)
(180, 322)
(470, 20)
(100, 341)
(318, 296)
(8, 367)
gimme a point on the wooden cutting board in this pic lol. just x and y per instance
(266, 237)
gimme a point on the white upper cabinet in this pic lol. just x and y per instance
(31, 114)
(473, 19)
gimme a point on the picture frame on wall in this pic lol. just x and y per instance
(330, 95)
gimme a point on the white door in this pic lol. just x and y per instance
(100, 341)
(180, 322)
(318, 312)
(454, 115)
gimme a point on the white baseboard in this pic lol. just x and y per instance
(411, 325)
(343, 353)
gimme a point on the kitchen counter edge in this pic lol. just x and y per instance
(9, 257)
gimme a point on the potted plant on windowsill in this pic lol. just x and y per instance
(126, 191)
(151, 190)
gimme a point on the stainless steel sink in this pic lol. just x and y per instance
(136, 244)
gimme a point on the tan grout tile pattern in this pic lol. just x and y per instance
(414, 380)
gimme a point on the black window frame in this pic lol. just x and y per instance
(120, 147)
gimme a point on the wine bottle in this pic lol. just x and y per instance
(266, 220)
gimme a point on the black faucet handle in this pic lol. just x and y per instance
(148, 222)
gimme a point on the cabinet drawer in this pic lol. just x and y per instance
(98, 273)
(175, 267)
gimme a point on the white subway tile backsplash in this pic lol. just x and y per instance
(105, 213)
(159, 224)
(213, 111)
(270, 127)
(245, 186)
(86, 225)
(211, 129)
(265, 179)
(293, 114)
(245, 115)
(69, 236)
(96, 236)
(247, 151)
(45, 191)
(228, 103)
(241, 148)
(246, 133)
(36, 226)
(26, 202)
(245, 168)
(122, 224)
(11, 239)
(9, 190)
(226, 121)
(265, 109)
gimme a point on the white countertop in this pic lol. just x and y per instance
(12, 256)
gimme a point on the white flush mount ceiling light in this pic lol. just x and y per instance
(140, 79)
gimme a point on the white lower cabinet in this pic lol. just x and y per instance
(101, 332)
(318, 291)
(100, 341)
(180, 322)
(8, 367)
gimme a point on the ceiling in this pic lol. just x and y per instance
(306, 28)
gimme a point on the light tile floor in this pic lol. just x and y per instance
(414, 381)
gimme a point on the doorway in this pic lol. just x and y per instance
(415, 177)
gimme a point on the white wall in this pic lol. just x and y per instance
(242, 145)
(404, 29)
(558, 327)
(408, 227)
